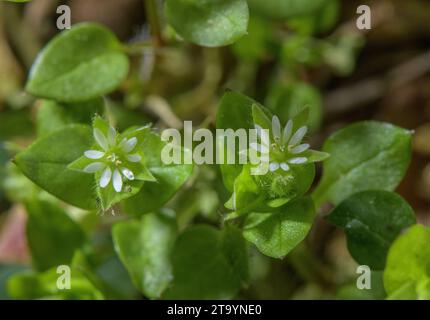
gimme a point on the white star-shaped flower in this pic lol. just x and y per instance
(286, 147)
(109, 159)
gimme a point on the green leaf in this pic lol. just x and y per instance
(207, 22)
(407, 273)
(115, 278)
(372, 220)
(79, 64)
(320, 21)
(45, 163)
(301, 50)
(283, 9)
(367, 155)
(341, 52)
(109, 197)
(328, 16)
(53, 116)
(275, 234)
(235, 112)
(145, 247)
(261, 117)
(288, 101)
(255, 45)
(94, 270)
(246, 195)
(169, 179)
(125, 117)
(208, 264)
(52, 235)
(30, 285)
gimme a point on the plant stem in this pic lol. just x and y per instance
(137, 47)
(154, 21)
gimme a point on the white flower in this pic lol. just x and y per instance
(285, 146)
(111, 157)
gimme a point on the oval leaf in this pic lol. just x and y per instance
(208, 264)
(52, 235)
(407, 273)
(52, 116)
(78, 65)
(372, 220)
(276, 234)
(145, 247)
(45, 163)
(367, 155)
(207, 22)
(169, 179)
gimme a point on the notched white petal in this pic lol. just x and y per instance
(287, 131)
(94, 154)
(276, 127)
(105, 178)
(127, 173)
(273, 166)
(94, 167)
(298, 136)
(300, 148)
(128, 145)
(112, 136)
(134, 158)
(117, 181)
(101, 139)
(298, 160)
(285, 166)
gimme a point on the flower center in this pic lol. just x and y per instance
(114, 159)
(280, 152)
(277, 152)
